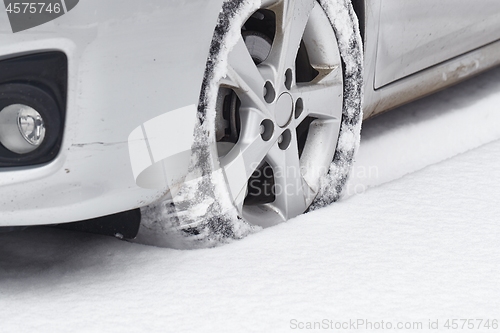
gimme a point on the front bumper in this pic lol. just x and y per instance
(128, 62)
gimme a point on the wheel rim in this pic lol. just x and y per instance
(278, 116)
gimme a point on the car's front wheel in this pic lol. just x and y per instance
(279, 117)
(279, 110)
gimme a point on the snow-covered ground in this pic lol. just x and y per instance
(419, 242)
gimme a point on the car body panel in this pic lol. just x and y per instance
(417, 82)
(417, 34)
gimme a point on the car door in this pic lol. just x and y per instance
(417, 34)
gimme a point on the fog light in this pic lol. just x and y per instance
(22, 128)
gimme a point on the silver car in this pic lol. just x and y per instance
(211, 117)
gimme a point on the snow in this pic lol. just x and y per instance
(419, 243)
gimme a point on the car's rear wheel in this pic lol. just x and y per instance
(279, 110)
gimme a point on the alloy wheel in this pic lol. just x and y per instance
(279, 110)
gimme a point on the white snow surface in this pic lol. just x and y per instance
(421, 243)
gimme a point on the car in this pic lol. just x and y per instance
(211, 118)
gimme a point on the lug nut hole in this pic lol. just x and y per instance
(269, 92)
(285, 139)
(288, 78)
(299, 107)
(266, 129)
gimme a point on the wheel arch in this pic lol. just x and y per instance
(359, 9)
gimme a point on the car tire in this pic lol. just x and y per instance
(279, 119)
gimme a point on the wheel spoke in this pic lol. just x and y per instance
(292, 17)
(289, 185)
(244, 75)
(320, 100)
(318, 151)
(327, 73)
(240, 163)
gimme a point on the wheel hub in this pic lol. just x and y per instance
(284, 109)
